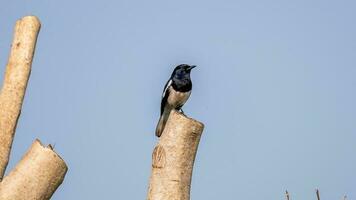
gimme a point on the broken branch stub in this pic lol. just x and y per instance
(36, 176)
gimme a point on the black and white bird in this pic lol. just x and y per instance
(175, 93)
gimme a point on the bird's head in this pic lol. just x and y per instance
(182, 71)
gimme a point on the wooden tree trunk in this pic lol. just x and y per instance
(36, 176)
(173, 159)
(41, 170)
(15, 82)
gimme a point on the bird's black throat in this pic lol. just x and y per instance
(182, 85)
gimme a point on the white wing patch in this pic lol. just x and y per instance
(166, 88)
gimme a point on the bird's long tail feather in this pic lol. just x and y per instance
(161, 123)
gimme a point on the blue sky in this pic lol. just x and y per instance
(274, 86)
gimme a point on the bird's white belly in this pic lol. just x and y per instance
(177, 99)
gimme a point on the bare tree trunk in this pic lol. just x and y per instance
(173, 159)
(41, 170)
(15, 83)
(36, 176)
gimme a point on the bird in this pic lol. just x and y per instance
(175, 93)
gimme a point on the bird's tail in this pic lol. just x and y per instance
(161, 123)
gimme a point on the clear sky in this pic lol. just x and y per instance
(275, 87)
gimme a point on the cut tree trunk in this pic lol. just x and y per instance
(173, 158)
(15, 82)
(36, 176)
(41, 170)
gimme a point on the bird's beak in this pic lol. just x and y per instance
(191, 67)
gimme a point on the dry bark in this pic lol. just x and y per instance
(36, 176)
(41, 170)
(173, 159)
(15, 82)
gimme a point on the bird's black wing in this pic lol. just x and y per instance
(165, 95)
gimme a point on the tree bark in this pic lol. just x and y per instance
(15, 83)
(36, 176)
(41, 170)
(173, 159)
